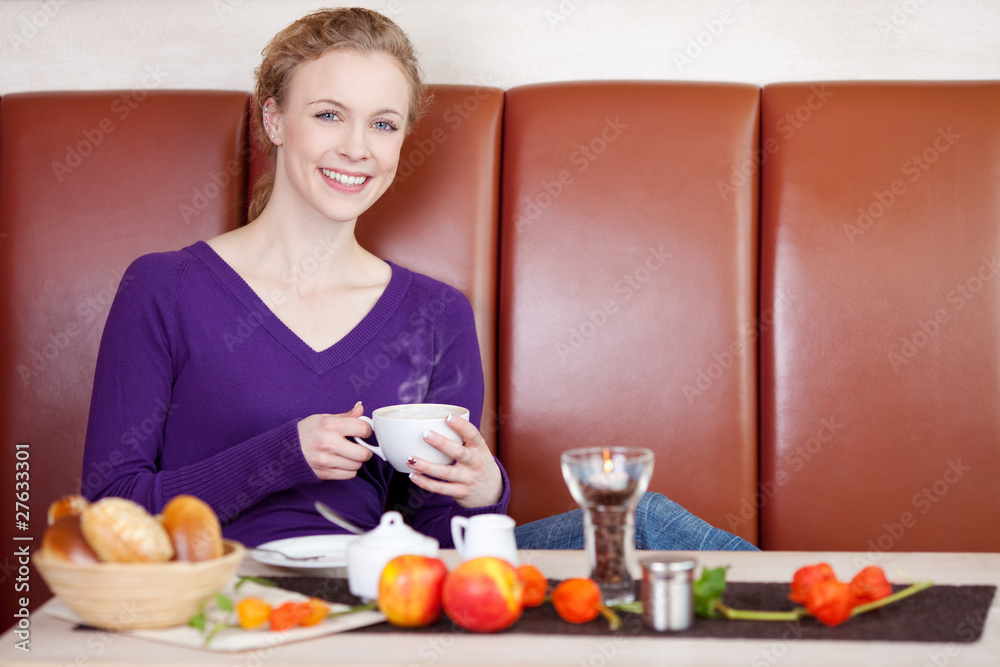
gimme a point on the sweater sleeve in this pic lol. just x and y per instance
(456, 379)
(132, 398)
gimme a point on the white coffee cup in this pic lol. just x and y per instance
(400, 430)
(484, 535)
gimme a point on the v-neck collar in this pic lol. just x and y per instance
(340, 352)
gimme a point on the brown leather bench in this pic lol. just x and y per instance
(788, 293)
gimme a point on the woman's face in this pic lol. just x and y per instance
(340, 134)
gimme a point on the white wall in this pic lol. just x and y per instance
(99, 44)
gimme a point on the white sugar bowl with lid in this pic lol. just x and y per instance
(368, 555)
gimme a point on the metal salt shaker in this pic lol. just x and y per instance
(667, 593)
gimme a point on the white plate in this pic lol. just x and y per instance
(332, 547)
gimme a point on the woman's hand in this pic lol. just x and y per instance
(325, 444)
(474, 480)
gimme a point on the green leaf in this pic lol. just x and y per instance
(634, 607)
(707, 590)
(223, 602)
(257, 580)
(199, 620)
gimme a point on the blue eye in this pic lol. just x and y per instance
(327, 115)
(385, 126)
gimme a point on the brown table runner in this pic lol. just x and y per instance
(938, 614)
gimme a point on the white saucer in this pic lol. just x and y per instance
(333, 548)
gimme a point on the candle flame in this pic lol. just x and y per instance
(609, 465)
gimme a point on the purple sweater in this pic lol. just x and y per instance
(199, 388)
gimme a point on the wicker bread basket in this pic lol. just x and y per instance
(129, 596)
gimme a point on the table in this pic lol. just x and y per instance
(53, 642)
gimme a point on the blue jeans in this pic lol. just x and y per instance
(660, 525)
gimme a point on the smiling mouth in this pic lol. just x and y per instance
(343, 179)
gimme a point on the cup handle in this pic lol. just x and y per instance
(459, 524)
(374, 448)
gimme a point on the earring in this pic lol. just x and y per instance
(267, 126)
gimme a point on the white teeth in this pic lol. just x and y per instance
(346, 180)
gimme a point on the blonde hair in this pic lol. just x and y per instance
(348, 28)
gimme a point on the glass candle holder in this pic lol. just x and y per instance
(607, 483)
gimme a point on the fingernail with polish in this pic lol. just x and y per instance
(411, 461)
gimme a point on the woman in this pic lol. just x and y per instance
(259, 424)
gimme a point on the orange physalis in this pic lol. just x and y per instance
(318, 610)
(534, 583)
(289, 614)
(253, 612)
(830, 601)
(870, 584)
(806, 577)
(577, 600)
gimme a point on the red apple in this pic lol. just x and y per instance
(483, 595)
(409, 590)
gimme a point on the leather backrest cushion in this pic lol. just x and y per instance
(880, 389)
(628, 288)
(88, 182)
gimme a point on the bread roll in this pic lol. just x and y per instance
(72, 505)
(64, 540)
(121, 531)
(193, 528)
